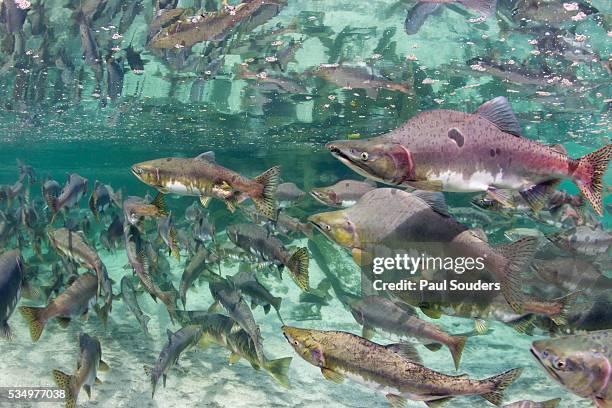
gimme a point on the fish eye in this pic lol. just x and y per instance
(560, 364)
(328, 227)
(364, 156)
(295, 342)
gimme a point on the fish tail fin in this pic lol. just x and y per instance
(518, 254)
(53, 206)
(266, 201)
(589, 173)
(145, 324)
(48, 197)
(456, 349)
(276, 302)
(169, 299)
(92, 206)
(278, 369)
(149, 373)
(565, 303)
(159, 202)
(36, 320)
(5, 332)
(298, 265)
(65, 382)
(173, 245)
(183, 296)
(103, 313)
(499, 383)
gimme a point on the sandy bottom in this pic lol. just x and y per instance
(205, 377)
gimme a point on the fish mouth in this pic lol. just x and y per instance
(318, 197)
(319, 227)
(549, 370)
(340, 155)
(358, 166)
(136, 171)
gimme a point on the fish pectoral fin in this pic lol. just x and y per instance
(234, 358)
(437, 403)
(396, 401)
(103, 366)
(368, 332)
(426, 185)
(205, 341)
(159, 203)
(406, 351)
(431, 313)
(205, 200)
(215, 307)
(235, 328)
(536, 195)
(332, 375)
(504, 197)
(63, 321)
(87, 389)
(523, 324)
(434, 199)
(164, 377)
(480, 326)
(231, 203)
(433, 346)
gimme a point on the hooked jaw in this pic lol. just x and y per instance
(385, 162)
(324, 196)
(147, 174)
(543, 357)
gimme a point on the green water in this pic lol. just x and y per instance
(58, 118)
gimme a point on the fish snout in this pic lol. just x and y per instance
(333, 148)
(137, 171)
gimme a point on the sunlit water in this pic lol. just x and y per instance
(61, 127)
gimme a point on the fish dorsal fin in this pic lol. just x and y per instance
(207, 156)
(406, 351)
(434, 199)
(499, 112)
(169, 334)
(332, 375)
